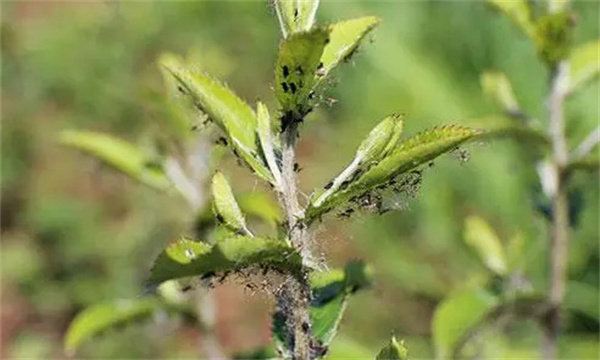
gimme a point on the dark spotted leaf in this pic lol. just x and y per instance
(120, 154)
(186, 258)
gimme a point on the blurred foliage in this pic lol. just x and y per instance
(74, 234)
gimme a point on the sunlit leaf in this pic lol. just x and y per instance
(119, 154)
(380, 141)
(394, 350)
(519, 12)
(226, 109)
(345, 37)
(408, 155)
(297, 62)
(265, 134)
(456, 316)
(482, 238)
(105, 316)
(295, 15)
(185, 258)
(497, 86)
(584, 65)
(331, 290)
(226, 208)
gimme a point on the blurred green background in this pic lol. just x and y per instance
(75, 233)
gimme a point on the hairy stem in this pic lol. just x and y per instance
(294, 298)
(560, 210)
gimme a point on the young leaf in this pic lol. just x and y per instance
(394, 350)
(482, 238)
(345, 37)
(407, 156)
(295, 15)
(186, 258)
(584, 65)
(259, 205)
(104, 316)
(235, 117)
(497, 86)
(380, 141)
(331, 290)
(456, 315)
(297, 63)
(226, 208)
(265, 134)
(120, 154)
(519, 12)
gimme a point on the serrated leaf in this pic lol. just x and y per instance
(456, 315)
(120, 154)
(101, 317)
(519, 12)
(186, 258)
(297, 62)
(265, 134)
(345, 37)
(380, 141)
(296, 15)
(234, 116)
(482, 238)
(584, 65)
(497, 86)
(226, 208)
(331, 290)
(260, 206)
(408, 155)
(394, 350)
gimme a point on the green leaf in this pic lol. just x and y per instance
(105, 316)
(345, 37)
(295, 15)
(583, 298)
(497, 86)
(234, 116)
(554, 36)
(394, 350)
(297, 62)
(226, 208)
(519, 12)
(120, 154)
(380, 141)
(265, 134)
(185, 258)
(260, 206)
(482, 238)
(584, 65)
(456, 315)
(407, 155)
(331, 290)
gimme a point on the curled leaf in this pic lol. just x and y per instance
(120, 154)
(226, 208)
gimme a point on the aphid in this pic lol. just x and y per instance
(305, 327)
(284, 86)
(311, 95)
(299, 70)
(286, 71)
(329, 185)
(219, 219)
(186, 288)
(297, 167)
(222, 141)
(300, 84)
(181, 90)
(295, 14)
(293, 87)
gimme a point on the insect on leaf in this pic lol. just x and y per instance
(297, 62)
(394, 350)
(497, 86)
(456, 316)
(234, 116)
(225, 206)
(345, 37)
(296, 15)
(120, 154)
(186, 258)
(482, 238)
(584, 65)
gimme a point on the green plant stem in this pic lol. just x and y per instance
(294, 297)
(560, 210)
